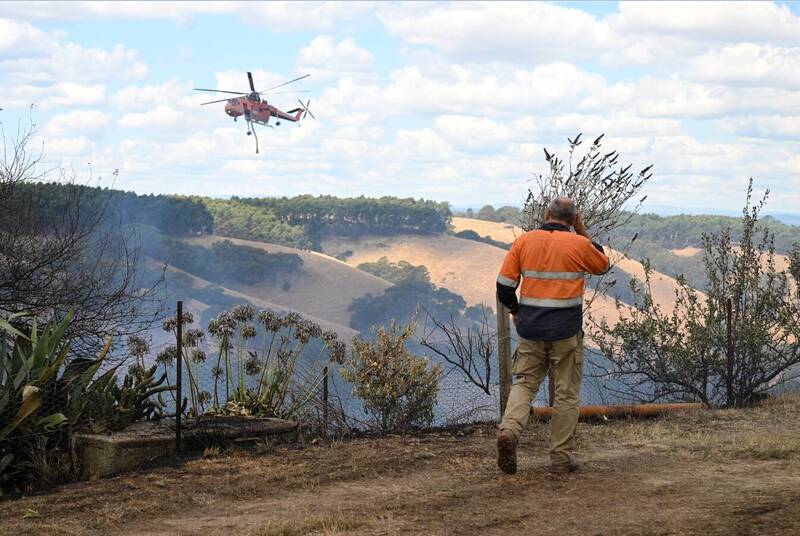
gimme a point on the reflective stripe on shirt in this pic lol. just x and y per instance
(551, 302)
(536, 274)
(507, 281)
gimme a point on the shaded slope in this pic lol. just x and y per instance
(197, 306)
(324, 287)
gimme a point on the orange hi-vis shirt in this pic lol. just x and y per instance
(552, 263)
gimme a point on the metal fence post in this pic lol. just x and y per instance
(503, 354)
(178, 377)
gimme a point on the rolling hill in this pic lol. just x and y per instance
(463, 266)
(324, 288)
(194, 303)
(466, 267)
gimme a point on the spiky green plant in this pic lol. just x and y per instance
(40, 395)
(136, 399)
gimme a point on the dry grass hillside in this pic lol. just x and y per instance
(327, 286)
(324, 288)
(463, 266)
(781, 261)
(688, 251)
(663, 287)
(502, 232)
(466, 267)
(710, 473)
(197, 308)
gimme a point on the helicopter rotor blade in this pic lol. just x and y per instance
(213, 101)
(285, 83)
(306, 111)
(250, 79)
(220, 91)
(285, 92)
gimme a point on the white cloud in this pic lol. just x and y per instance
(764, 126)
(78, 121)
(41, 68)
(325, 58)
(20, 39)
(69, 146)
(279, 16)
(423, 143)
(548, 89)
(710, 21)
(479, 90)
(56, 61)
(140, 98)
(473, 132)
(179, 11)
(487, 31)
(749, 64)
(299, 16)
(661, 34)
(71, 94)
(161, 116)
(679, 99)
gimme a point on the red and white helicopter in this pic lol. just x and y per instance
(256, 110)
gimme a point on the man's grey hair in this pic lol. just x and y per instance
(562, 209)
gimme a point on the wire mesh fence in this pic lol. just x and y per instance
(245, 365)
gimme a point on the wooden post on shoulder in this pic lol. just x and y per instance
(729, 353)
(503, 354)
(178, 376)
(325, 401)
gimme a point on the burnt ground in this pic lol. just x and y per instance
(724, 472)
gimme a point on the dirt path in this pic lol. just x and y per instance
(720, 473)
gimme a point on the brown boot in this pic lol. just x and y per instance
(507, 452)
(564, 468)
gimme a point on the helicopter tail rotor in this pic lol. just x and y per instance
(250, 79)
(306, 111)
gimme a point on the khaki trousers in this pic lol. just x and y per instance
(533, 359)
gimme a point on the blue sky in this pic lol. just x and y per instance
(447, 101)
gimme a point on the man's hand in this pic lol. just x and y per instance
(580, 228)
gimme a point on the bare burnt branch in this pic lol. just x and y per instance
(603, 195)
(468, 349)
(60, 248)
(606, 196)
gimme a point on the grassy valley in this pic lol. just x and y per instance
(304, 253)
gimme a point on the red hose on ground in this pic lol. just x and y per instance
(610, 412)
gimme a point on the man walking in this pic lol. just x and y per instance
(552, 262)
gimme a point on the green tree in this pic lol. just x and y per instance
(486, 213)
(397, 273)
